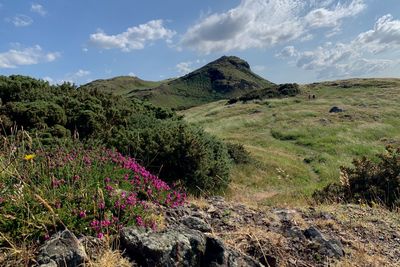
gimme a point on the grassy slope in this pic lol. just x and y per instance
(284, 134)
(122, 85)
(223, 78)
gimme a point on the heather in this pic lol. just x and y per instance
(91, 191)
(156, 137)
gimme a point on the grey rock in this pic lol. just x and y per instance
(335, 110)
(330, 247)
(179, 247)
(196, 224)
(62, 249)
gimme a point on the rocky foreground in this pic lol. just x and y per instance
(214, 232)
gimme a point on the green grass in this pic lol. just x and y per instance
(297, 145)
(225, 77)
(122, 85)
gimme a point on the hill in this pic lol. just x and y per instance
(224, 78)
(297, 145)
(121, 85)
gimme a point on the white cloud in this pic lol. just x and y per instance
(132, 74)
(332, 18)
(48, 79)
(133, 38)
(81, 73)
(358, 57)
(26, 56)
(384, 36)
(20, 20)
(287, 52)
(184, 67)
(39, 9)
(260, 23)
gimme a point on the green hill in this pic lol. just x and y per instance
(224, 78)
(121, 85)
(297, 145)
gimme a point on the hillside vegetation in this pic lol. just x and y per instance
(297, 146)
(122, 85)
(224, 78)
(158, 138)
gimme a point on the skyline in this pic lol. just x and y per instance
(283, 40)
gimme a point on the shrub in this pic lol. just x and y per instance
(238, 153)
(368, 181)
(158, 138)
(282, 90)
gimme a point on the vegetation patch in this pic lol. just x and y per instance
(367, 182)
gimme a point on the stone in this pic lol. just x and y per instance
(196, 223)
(335, 110)
(62, 249)
(180, 247)
(329, 247)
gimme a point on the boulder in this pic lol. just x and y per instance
(328, 247)
(62, 249)
(335, 110)
(179, 247)
(196, 224)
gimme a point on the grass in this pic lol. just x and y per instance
(298, 146)
(122, 85)
(225, 77)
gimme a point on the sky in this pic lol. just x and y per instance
(284, 41)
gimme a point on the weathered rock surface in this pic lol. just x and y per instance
(180, 247)
(62, 249)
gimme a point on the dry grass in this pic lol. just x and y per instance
(255, 241)
(13, 256)
(110, 258)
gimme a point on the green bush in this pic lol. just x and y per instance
(368, 181)
(158, 138)
(238, 153)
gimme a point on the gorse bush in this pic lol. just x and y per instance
(368, 181)
(90, 191)
(281, 90)
(158, 138)
(238, 153)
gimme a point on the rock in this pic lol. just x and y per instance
(179, 247)
(331, 247)
(62, 249)
(196, 224)
(312, 233)
(335, 110)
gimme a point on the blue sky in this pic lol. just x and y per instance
(283, 40)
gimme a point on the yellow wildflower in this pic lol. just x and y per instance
(29, 157)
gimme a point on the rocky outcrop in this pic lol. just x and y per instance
(180, 246)
(62, 249)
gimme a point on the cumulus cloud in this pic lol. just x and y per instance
(287, 52)
(358, 57)
(324, 17)
(26, 56)
(133, 38)
(260, 23)
(39, 9)
(184, 67)
(20, 20)
(384, 36)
